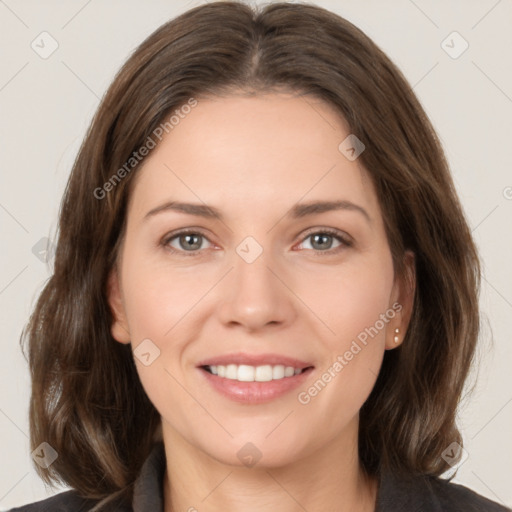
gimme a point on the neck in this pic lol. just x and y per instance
(330, 478)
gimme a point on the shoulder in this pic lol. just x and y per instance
(67, 501)
(430, 494)
(457, 497)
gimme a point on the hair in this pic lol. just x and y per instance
(87, 401)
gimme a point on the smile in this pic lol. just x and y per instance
(247, 373)
(262, 383)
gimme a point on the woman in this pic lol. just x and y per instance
(265, 292)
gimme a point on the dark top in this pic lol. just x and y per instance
(421, 494)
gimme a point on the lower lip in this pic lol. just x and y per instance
(255, 392)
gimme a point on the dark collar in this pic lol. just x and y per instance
(395, 494)
(148, 493)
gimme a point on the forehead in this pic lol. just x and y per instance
(242, 152)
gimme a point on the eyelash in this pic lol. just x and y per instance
(343, 239)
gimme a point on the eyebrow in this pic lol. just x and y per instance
(296, 212)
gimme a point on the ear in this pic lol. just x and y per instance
(119, 328)
(402, 302)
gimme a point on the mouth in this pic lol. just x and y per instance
(254, 379)
(249, 373)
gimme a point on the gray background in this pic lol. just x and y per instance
(47, 104)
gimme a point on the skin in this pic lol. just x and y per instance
(254, 158)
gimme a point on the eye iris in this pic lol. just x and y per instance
(192, 241)
(186, 239)
(322, 237)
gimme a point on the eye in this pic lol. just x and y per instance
(192, 242)
(322, 240)
(185, 241)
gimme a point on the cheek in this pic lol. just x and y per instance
(352, 307)
(158, 297)
(354, 303)
(157, 301)
(160, 304)
(350, 300)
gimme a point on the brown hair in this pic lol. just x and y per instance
(87, 401)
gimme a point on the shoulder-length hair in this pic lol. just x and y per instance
(87, 401)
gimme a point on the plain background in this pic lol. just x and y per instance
(47, 104)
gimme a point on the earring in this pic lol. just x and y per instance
(396, 339)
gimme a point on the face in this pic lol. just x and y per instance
(254, 279)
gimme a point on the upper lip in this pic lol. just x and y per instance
(254, 360)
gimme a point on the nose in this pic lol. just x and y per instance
(255, 295)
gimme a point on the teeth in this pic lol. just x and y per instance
(246, 373)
